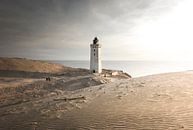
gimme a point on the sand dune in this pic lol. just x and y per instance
(72, 101)
(21, 64)
(162, 101)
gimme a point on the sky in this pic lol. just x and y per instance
(127, 29)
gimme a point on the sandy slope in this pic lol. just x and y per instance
(162, 101)
(21, 64)
(77, 99)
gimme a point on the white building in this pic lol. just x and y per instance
(95, 56)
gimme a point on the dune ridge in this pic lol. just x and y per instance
(22, 64)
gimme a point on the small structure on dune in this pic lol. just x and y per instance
(95, 56)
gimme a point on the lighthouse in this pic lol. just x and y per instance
(95, 56)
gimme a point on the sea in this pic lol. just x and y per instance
(136, 68)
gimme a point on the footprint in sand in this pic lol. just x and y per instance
(160, 97)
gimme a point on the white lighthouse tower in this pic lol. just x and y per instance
(95, 56)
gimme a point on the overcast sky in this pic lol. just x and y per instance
(127, 29)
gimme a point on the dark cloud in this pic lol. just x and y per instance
(41, 27)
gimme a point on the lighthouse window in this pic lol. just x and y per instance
(94, 49)
(94, 54)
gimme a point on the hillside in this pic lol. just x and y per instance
(78, 99)
(163, 101)
(28, 98)
(21, 64)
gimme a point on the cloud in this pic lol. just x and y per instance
(43, 27)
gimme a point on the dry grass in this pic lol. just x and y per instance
(20, 64)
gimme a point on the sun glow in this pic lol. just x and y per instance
(171, 36)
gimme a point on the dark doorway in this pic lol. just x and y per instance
(93, 71)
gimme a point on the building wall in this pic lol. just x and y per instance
(95, 58)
